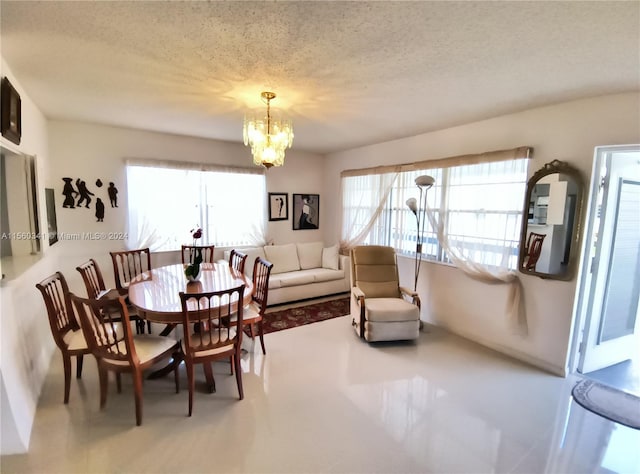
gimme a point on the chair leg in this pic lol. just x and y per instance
(79, 359)
(104, 383)
(253, 335)
(137, 388)
(231, 364)
(192, 384)
(176, 360)
(261, 333)
(66, 361)
(208, 374)
(236, 361)
(119, 382)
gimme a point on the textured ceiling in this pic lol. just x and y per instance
(347, 73)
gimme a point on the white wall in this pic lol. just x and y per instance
(567, 132)
(25, 338)
(94, 151)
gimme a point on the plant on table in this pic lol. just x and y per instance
(192, 270)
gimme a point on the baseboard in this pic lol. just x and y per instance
(508, 351)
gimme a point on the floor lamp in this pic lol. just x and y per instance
(423, 182)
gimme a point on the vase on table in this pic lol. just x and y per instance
(193, 272)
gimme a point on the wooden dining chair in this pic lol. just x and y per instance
(533, 250)
(189, 250)
(254, 312)
(214, 340)
(129, 264)
(237, 260)
(116, 348)
(64, 326)
(94, 283)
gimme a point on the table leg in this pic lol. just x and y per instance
(167, 369)
(167, 329)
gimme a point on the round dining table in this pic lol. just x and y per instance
(156, 295)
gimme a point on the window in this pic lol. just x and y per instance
(479, 205)
(167, 201)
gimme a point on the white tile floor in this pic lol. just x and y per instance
(324, 401)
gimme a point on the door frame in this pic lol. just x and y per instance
(581, 305)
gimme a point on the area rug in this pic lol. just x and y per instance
(609, 402)
(312, 313)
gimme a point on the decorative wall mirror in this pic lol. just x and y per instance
(551, 222)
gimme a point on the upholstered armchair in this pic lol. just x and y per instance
(381, 310)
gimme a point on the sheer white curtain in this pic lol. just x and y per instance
(168, 199)
(363, 200)
(482, 199)
(475, 210)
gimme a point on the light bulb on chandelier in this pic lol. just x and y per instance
(268, 136)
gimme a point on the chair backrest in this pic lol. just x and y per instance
(261, 274)
(237, 260)
(62, 319)
(92, 277)
(106, 328)
(190, 250)
(534, 249)
(210, 309)
(375, 271)
(129, 264)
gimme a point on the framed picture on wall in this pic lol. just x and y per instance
(306, 211)
(11, 112)
(52, 223)
(278, 206)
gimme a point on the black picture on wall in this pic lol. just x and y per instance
(278, 206)
(52, 223)
(306, 211)
(77, 195)
(11, 112)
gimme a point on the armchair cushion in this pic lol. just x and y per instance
(390, 310)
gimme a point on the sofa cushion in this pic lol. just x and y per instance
(252, 254)
(330, 258)
(283, 257)
(310, 255)
(325, 274)
(302, 277)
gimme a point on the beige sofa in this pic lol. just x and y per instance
(301, 271)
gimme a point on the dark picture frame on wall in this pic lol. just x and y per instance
(52, 222)
(278, 206)
(11, 112)
(306, 211)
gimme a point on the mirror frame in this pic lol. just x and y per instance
(552, 167)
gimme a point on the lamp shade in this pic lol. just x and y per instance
(412, 203)
(425, 181)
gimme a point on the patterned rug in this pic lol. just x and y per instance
(611, 403)
(312, 313)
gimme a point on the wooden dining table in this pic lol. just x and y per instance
(156, 295)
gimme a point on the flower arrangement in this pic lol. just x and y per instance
(192, 271)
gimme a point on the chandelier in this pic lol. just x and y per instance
(267, 136)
